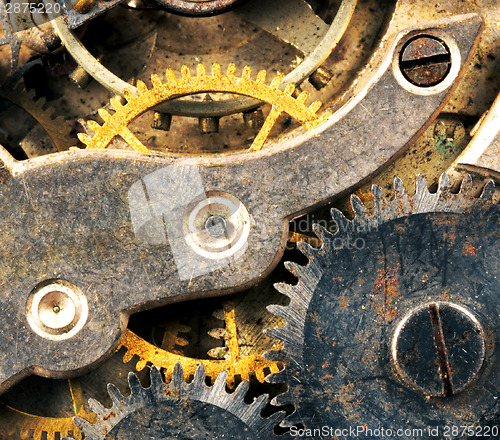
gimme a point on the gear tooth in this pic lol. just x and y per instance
(134, 384)
(216, 70)
(399, 187)
(277, 310)
(466, 185)
(320, 231)
(231, 70)
(276, 82)
(302, 98)
(200, 70)
(315, 106)
(284, 289)
(156, 378)
(306, 249)
(242, 388)
(93, 125)
(127, 357)
(177, 376)
(339, 218)
(247, 73)
(185, 72)
(444, 182)
(259, 375)
(488, 191)
(141, 364)
(289, 89)
(276, 418)
(104, 114)
(377, 195)
(84, 138)
(42, 101)
(279, 377)
(156, 81)
(261, 77)
(257, 406)
(129, 95)
(170, 76)
(116, 103)
(357, 206)
(114, 394)
(220, 383)
(96, 407)
(200, 374)
(294, 268)
(142, 87)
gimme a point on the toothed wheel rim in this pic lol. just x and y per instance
(169, 410)
(116, 124)
(339, 371)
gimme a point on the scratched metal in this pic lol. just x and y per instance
(355, 291)
(68, 216)
(180, 410)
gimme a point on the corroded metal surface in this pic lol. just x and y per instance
(141, 209)
(381, 266)
(179, 409)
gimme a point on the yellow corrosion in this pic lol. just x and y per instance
(52, 426)
(235, 365)
(116, 124)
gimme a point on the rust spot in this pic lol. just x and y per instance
(344, 302)
(110, 415)
(386, 291)
(469, 250)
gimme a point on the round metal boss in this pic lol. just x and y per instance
(217, 227)
(57, 310)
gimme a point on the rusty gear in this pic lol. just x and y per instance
(380, 271)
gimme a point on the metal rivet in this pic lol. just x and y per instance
(161, 121)
(56, 310)
(216, 226)
(209, 125)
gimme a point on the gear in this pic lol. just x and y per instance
(314, 40)
(57, 128)
(413, 287)
(20, 424)
(116, 124)
(241, 366)
(180, 410)
(42, 427)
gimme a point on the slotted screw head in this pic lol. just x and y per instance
(439, 349)
(425, 61)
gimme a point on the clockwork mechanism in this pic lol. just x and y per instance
(209, 227)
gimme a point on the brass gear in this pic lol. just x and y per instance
(49, 428)
(116, 124)
(243, 367)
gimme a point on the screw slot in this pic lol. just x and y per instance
(425, 61)
(439, 349)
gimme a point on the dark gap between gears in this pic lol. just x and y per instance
(434, 59)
